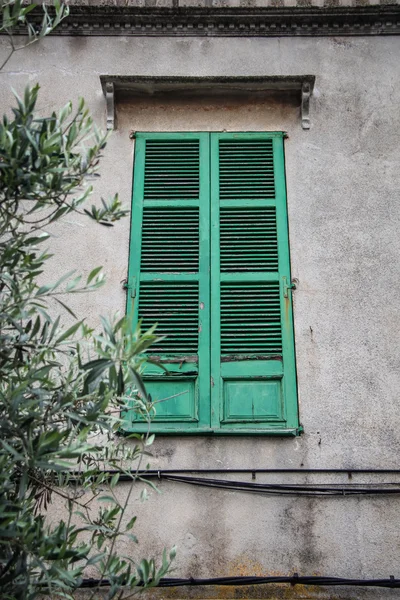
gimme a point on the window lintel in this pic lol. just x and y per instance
(285, 86)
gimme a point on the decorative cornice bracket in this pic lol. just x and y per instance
(285, 86)
(110, 105)
(305, 105)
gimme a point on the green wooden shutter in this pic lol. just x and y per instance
(252, 357)
(169, 274)
(249, 342)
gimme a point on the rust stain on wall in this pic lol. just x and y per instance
(243, 566)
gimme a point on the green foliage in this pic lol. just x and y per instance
(62, 388)
(14, 16)
(14, 13)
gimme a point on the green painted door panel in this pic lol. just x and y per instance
(175, 399)
(251, 401)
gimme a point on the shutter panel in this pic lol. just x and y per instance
(252, 360)
(169, 275)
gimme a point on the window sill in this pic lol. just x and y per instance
(277, 431)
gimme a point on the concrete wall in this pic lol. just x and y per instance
(344, 218)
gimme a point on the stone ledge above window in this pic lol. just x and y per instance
(280, 85)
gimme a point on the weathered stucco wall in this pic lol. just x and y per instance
(344, 218)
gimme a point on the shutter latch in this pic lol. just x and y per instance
(287, 286)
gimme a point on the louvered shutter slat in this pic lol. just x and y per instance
(172, 169)
(248, 239)
(170, 239)
(175, 307)
(246, 169)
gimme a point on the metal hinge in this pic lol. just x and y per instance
(287, 286)
(131, 287)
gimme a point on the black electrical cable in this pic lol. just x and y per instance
(293, 580)
(340, 489)
(154, 472)
(349, 471)
(343, 489)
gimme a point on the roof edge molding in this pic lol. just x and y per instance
(281, 85)
(203, 21)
